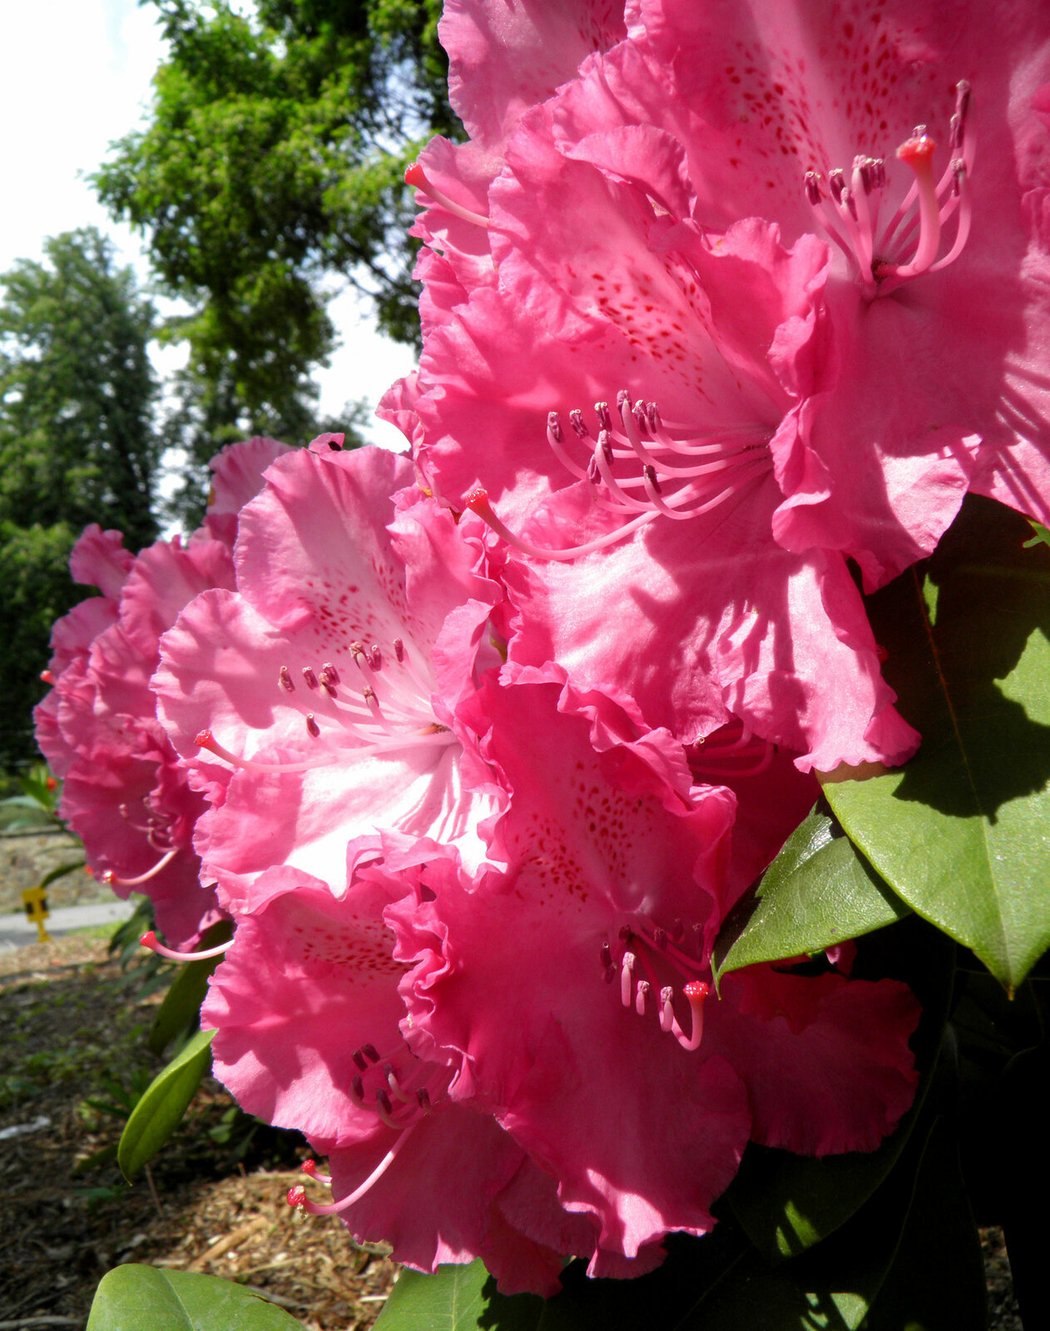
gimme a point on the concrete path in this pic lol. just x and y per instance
(17, 930)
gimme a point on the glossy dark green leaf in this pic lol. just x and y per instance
(466, 1298)
(786, 1203)
(909, 1259)
(456, 1298)
(935, 1276)
(962, 831)
(160, 1111)
(817, 892)
(137, 1298)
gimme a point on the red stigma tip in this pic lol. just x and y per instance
(51, 783)
(149, 939)
(415, 176)
(916, 150)
(107, 876)
(47, 676)
(309, 1167)
(478, 501)
(697, 989)
(204, 739)
(297, 1195)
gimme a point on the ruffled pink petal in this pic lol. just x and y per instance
(826, 1059)
(308, 981)
(505, 57)
(237, 476)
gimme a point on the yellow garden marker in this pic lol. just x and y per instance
(35, 902)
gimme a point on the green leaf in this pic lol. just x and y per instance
(786, 1203)
(909, 1259)
(133, 1297)
(466, 1299)
(456, 1298)
(935, 1277)
(816, 893)
(60, 872)
(159, 1112)
(962, 832)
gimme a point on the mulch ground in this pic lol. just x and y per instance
(73, 1033)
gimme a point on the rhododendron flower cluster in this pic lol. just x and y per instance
(125, 793)
(478, 747)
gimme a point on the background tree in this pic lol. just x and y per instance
(272, 160)
(77, 443)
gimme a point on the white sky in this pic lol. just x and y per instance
(74, 76)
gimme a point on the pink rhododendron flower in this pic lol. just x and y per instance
(718, 618)
(308, 1035)
(98, 559)
(425, 1019)
(125, 793)
(503, 59)
(914, 139)
(326, 685)
(884, 396)
(597, 938)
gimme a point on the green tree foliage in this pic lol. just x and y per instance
(76, 391)
(77, 443)
(274, 159)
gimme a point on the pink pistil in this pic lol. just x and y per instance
(635, 993)
(297, 1195)
(695, 992)
(112, 880)
(848, 212)
(731, 752)
(149, 939)
(418, 179)
(478, 502)
(206, 740)
(917, 153)
(310, 1169)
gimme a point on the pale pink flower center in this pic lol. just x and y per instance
(644, 468)
(380, 697)
(930, 226)
(401, 1091)
(160, 832)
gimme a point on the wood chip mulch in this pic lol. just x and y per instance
(69, 1033)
